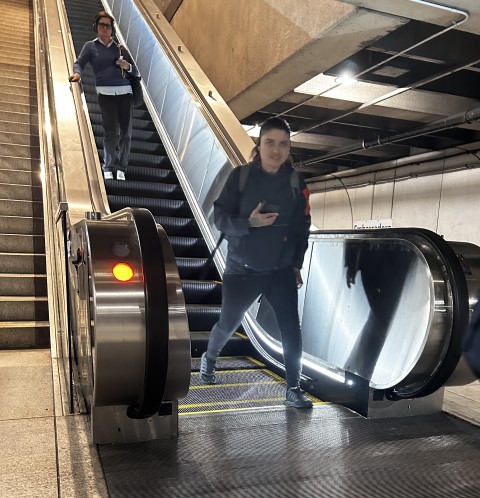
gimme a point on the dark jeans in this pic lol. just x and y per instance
(117, 112)
(239, 291)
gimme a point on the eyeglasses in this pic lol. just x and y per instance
(104, 25)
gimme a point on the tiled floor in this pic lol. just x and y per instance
(464, 402)
(43, 453)
(47, 454)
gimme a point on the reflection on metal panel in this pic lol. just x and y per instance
(376, 323)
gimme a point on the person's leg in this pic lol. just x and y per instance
(283, 297)
(108, 106)
(238, 293)
(125, 118)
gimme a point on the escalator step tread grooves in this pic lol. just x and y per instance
(149, 148)
(146, 189)
(190, 268)
(152, 174)
(226, 362)
(201, 292)
(184, 224)
(153, 184)
(185, 241)
(156, 206)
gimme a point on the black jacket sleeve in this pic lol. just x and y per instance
(226, 208)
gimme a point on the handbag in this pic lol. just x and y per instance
(135, 81)
(137, 90)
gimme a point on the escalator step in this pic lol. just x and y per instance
(202, 317)
(186, 227)
(202, 292)
(145, 174)
(139, 135)
(168, 207)
(138, 146)
(188, 247)
(235, 390)
(140, 124)
(192, 267)
(239, 344)
(146, 189)
(226, 362)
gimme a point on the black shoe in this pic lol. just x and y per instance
(207, 370)
(296, 397)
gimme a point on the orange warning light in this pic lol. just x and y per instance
(123, 272)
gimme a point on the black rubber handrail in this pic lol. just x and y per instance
(460, 316)
(156, 317)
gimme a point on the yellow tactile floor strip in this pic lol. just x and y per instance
(237, 396)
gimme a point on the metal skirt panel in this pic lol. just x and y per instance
(326, 452)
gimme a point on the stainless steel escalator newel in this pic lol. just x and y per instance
(93, 215)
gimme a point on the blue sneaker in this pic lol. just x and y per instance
(296, 397)
(207, 370)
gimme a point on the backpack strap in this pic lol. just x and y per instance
(242, 177)
(295, 183)
(209, 262)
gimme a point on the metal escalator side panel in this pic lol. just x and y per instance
(456, 297)
(132, 338)
(118, 339)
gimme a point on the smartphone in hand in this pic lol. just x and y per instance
(270, 208)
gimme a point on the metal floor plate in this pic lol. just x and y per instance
(282, 452)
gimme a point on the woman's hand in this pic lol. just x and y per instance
(124, 64)
(298, 277)
(259, 219)
(74, 77)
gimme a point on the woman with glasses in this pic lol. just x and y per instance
(114, 93)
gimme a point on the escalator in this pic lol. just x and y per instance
(329, 451)
(152, 183)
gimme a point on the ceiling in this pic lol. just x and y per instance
(413, 92)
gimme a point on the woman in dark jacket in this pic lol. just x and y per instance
(265, 215)
(114, 93)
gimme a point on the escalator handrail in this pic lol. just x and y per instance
(156, 313)
(460, 316)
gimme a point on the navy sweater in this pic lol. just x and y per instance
(102, 59)
(270, 248)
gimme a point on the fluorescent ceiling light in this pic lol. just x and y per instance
(345, 79)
